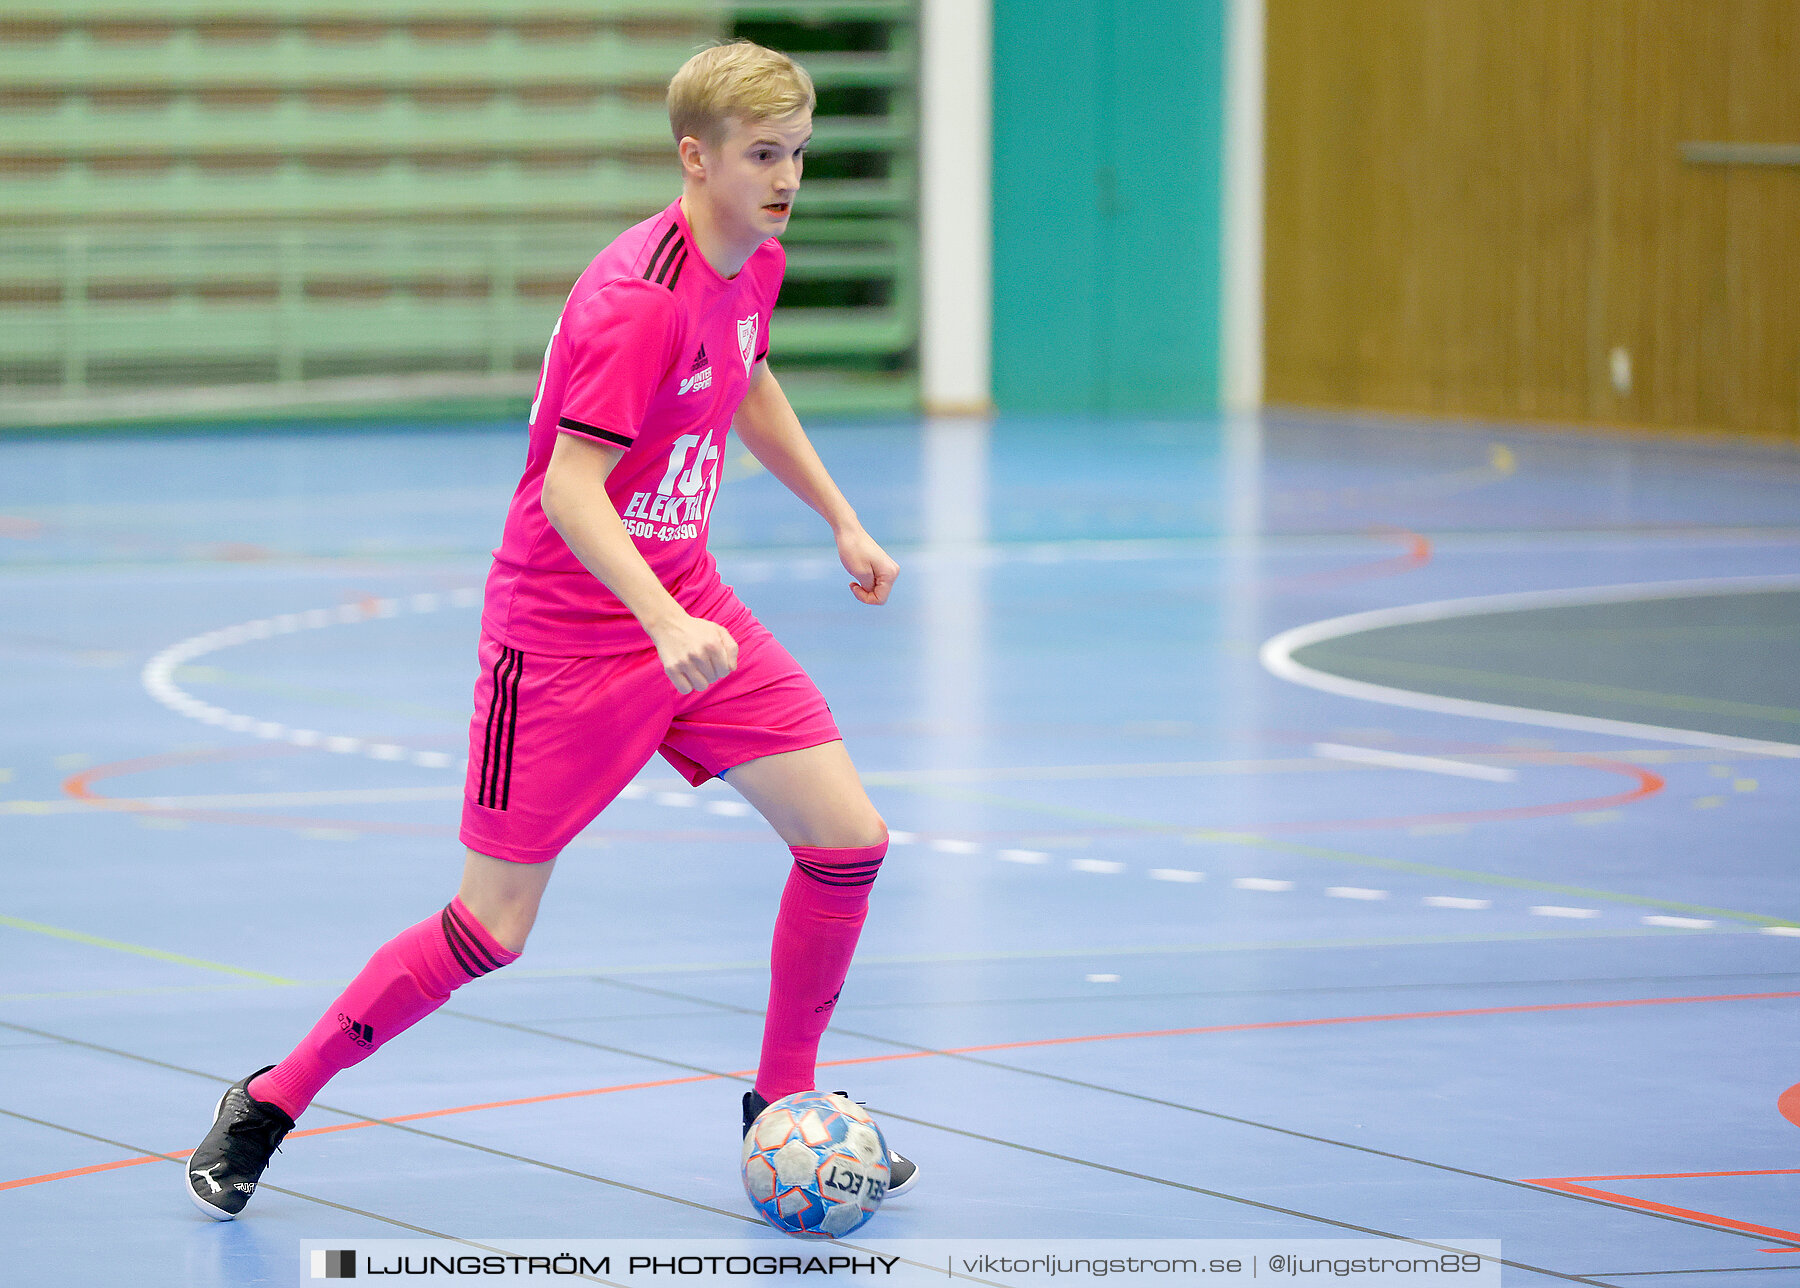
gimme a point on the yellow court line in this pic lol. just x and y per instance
(95, 941)
(545, 974)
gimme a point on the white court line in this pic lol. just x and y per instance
(1456, 901)
(1277, 656)
(158, 675)
(1050, 773)
(1402, 760)
(1262, 883)
(275, 800)
(1554, 910)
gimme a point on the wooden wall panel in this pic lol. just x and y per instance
(1472, 203)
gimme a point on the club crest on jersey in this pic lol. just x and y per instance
(747, 340)
(699, 376)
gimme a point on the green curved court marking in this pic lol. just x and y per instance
(138, 950)
(1512, 682)
(1346, 856)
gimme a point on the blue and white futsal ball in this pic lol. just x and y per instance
(815, 1165)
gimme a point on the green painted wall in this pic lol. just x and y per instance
(1108, 149)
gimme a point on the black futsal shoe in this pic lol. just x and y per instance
(902, 1171)
(222, 1173)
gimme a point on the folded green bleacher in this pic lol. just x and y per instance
(291, 206)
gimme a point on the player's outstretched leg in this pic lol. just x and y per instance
(823, 907)
(407, 979)
(815, 800)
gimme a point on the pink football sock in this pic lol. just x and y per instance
(407, 979)
(822, 911)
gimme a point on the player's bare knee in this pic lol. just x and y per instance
(509, 923)
(511, 927)
(857, 834)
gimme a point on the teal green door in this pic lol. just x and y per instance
(1108, 140)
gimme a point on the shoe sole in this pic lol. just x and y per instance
(187, 1181)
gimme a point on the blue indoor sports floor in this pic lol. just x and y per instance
(1168, 945)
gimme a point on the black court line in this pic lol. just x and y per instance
(1222, 1117)
(1341, 1144)
(1238, 1198)
(1023, 1148)
(1309, 991)
(297, 1194)
(405, 1127)
(754, 1222)
(1704, 1270)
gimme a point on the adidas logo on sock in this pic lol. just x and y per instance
(358, 1032)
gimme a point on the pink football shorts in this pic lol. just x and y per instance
(555, 739)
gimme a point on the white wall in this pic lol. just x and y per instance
(955, 206)
(1241, 281)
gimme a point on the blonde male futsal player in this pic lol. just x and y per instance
(607, 635)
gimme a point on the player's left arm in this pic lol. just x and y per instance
(773, 434)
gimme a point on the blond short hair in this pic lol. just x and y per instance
(740, 79)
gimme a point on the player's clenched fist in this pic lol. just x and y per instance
(869, 564)
(695, 652)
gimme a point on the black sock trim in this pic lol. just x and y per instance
(474, 939)
(847, 874)
(451, 937)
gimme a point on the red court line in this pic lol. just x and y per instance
(1567, 1186)
(1371, 1019)
(1674, 1176)
(975, 1050)
(353, 1126)
(79, 786)
(1418, 554)
(1648, 784)
(89, 1171)
(1789, 1104)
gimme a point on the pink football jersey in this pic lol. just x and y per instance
(652, 354)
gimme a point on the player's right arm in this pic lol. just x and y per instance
(694, 652)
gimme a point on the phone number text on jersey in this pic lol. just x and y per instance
(666, 532)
